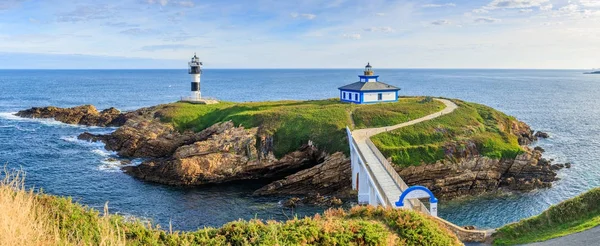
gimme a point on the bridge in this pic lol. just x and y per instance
(378, 183)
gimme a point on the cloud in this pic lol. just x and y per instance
(379, 29)
(571, 8)
(380, 14)
(138, 32)
(161, 2)
(441, 22)
(186, 3)
(438, 5)
(120, 24)
(510, 4)
(84, 13)
(590, 3)
(169, 47)
(486, 20)
(7, 4)
(355, 36)
(305, 16)
(525, 10)
(547, 7)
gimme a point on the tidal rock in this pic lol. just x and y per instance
(557, 167)
(542, 134)
(82, 115)
(314, 200)
(332, 176)
(568, 165)
(523, 132)
(540, 149)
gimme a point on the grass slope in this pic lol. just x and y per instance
(293, 123)
(471, 123)
(568, 217)
(28, 218)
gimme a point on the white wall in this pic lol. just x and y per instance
(386, 96)
(351, 97)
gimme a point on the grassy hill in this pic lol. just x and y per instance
(293, 123)
(29, 218)
(470, 126)
(568, 217)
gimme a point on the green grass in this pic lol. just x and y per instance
(568, 217)
(293, 123)
(471, 126)
(358, 226)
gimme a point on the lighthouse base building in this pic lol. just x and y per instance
(368, 90)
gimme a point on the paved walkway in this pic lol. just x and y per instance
(588, 237)
(391, 189)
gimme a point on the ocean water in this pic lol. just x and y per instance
(564, 103)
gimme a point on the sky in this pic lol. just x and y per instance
(540, 34)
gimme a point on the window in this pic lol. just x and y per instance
(356, 97)
(379, 97)
(344, 95)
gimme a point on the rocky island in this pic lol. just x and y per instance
(301, 146)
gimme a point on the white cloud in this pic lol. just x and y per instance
(525, 10)
(432, 5)
(510, 4)
(441, 22)
(547, 7)
(305, 16)
(571, 8)
(380, 14)
(590, 3)
(186, 4)
(486, 20)
(352, 36)
(161, 2)
(379, 29)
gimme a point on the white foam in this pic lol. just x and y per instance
(50, 122)
(101, 152)
(110, 166)
(73, 139)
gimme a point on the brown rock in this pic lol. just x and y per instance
(82, 115)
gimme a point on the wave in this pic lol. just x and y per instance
(74, 139)
(52, 122)
(114, 165)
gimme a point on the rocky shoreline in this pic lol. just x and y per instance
(224, 153)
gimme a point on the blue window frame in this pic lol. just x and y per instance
(379, 97)
(356, 97)
(344, 95)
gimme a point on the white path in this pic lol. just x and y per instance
(391, 189)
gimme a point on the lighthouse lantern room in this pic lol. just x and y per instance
(195, 70)
(368, 89)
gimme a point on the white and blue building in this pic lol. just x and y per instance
(368, 90)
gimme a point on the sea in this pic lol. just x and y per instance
(564, 103)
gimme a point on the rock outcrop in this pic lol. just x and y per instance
(86, 115)
(476, 175)
(219, 154)
(330, 177)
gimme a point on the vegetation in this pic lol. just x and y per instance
(470, 127)
(568, 217)
(293, 123)
(30, 218)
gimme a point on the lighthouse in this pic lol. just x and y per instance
(195, 70)
(368, 89)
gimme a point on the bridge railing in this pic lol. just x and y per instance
(414, 203)
(378, 188)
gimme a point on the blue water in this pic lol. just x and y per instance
(564, 103)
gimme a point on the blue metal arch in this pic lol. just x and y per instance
(432, 198)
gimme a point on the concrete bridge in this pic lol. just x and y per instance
(378, 183)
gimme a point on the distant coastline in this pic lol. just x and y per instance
(595, 72)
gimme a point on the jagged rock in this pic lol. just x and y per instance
(542, 135)
(86, 136)
(568, 165)
(476, 175)
(540, 149)
(330, 177)
(313, 199)
(523, 132)
(557, 167)
(221, 153)
(82, 115)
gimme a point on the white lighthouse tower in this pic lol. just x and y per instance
(195, 70)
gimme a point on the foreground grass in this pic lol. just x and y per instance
(293, 123)
(568, 217)
(471, 126)
(28, 218)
